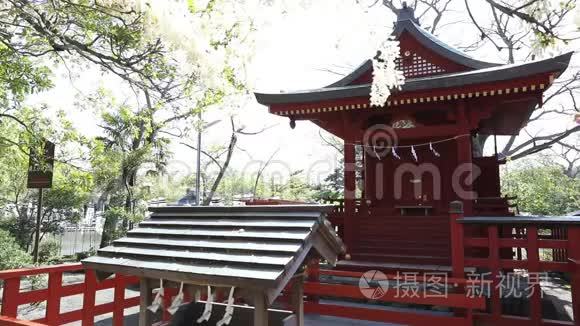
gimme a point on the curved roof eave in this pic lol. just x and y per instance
(496, 73)
(434, 44)
(426, 39)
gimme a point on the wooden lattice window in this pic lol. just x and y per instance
(413, 66)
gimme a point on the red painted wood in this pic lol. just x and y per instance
(457, 246)
(54, 295)
(349, 191)
(167, 296)
(10, 297)
(354, 292)
(534, 267)
(119, 309)
(11, 321)
(313, 273)
(494, 265)
(40, 270)
(574, 257)
(89, 298)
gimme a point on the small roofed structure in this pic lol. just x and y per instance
(255, 249)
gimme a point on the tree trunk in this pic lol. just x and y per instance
(216, 183)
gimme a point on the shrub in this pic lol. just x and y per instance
(48, 251)
(11, 255)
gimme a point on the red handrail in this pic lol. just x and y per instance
(13, 297)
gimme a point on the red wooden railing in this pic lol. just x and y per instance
(13, 297)
(475, 242)
(455, 300)
(499, 249)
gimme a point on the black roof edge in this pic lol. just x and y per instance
(243, 209)
(556, 64)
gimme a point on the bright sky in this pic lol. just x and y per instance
(290, 55)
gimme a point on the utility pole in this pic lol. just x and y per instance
(38, 220)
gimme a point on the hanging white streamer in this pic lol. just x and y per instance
(177, 301)
(433, 150)
(158, 301)
(414, 154)
(229, 310)
(395, 155)
(377, 154)
(208, 307)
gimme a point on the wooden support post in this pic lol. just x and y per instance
(11, 291)
(574, 257)
(119, 301)
(457, 237)
(89, 298)
(349, 192)
(534, 267)
(313, 271)
(298, 300)
(145, 300)
(260, 309)
(495, 269)
(53, 301)
(464, 156)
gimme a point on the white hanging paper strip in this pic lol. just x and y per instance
(414, 153)
(377, 154)
(208, 307)
(177, 301)
(229, 310)
(158, 301)
(433, 150)
(395, 155)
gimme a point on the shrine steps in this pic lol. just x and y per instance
(401, 258)
(363, 266)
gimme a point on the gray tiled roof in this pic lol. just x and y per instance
(244, 246)
(459, 79)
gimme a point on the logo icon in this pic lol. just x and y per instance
(373, 284)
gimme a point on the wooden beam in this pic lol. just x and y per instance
(260, 309)
(298, 300)
(145, 301)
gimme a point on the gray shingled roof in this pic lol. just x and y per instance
(244, 246)
(487, 75)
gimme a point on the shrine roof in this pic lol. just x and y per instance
(407, 23)
(258, 247)
(458, 79)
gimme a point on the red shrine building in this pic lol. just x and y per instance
(421, 204)
(406, 161)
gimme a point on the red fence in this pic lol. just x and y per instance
(493, 244)
(458, 301)
(496, 244)
(13, 297)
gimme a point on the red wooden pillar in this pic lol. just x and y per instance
(313, 276)
(464, 159)
(457, 237)
(574, 257)
(119, 301)
(349, 192)
(89, 298)
(534, 267)
(495, 268)
(53, 301)
(9, 298)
